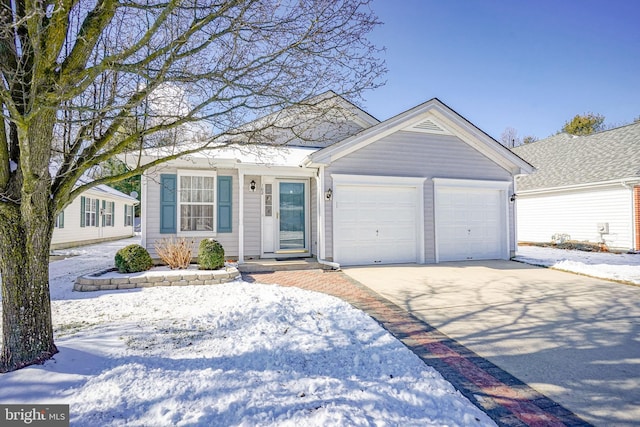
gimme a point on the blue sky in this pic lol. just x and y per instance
(530, 65)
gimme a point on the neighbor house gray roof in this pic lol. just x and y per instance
(566, 160)
(107, 190)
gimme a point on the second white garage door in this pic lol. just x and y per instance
(376, 224)
(470, 223)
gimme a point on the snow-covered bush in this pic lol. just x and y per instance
(210, 255)
(132, 259)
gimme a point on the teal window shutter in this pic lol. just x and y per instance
(82, 210)
(104, 206)
(168, 203)
(61, 219)
(113, 214)
(224, 204)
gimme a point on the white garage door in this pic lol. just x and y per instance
(470, 224)
(375, 224)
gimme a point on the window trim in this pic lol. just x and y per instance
(199, 173)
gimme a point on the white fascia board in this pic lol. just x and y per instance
(482, 142)
(590, 185)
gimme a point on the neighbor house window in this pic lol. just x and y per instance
(196, 201)
(90, 212)
(107, 213)
(60, 220)
(128, 215)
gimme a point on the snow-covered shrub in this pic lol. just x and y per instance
(132, 259)
(210, 255)
(176, 253)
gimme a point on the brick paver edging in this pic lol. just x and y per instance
(506, 399)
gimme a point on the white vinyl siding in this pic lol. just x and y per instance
(577, 214)
(252, 217)
(418, 155)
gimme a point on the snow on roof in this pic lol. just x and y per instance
(268, 155)
(106, 189)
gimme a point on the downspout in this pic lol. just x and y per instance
(514, 218)
(321, 220)
(143, 212)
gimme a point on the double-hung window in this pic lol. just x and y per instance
(90, 212)
(60, 220)
(128, 215)
(196, 201)
(108, 213)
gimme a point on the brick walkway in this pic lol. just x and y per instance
(507, 400)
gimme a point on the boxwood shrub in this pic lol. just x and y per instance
(210, 255)
(133, 259)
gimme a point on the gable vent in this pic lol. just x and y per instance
(427, 126)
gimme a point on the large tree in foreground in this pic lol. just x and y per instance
(85, 80)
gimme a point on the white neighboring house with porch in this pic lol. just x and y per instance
(101, 213)
(585, 188)
(424, 186)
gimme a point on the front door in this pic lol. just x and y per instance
(285, 218)
(292, 236)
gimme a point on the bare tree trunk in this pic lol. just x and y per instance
(27, 331)
(27, 227)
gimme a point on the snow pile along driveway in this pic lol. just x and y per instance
(230, 354)
(604, 265)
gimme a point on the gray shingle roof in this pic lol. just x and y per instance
(563, 159)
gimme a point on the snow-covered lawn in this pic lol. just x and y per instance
(232, 354)
(623, 267)
(243, 354)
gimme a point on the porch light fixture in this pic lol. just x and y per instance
(252, 185)
(329, 194)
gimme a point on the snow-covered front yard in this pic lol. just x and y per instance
(232, 354)
(242, 354)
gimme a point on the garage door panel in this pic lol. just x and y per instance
(469, 224)
(375, 224)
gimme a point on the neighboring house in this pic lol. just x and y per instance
(586, 188)
(424, 186)
(101, 213)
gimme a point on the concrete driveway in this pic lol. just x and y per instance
(573, 338)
